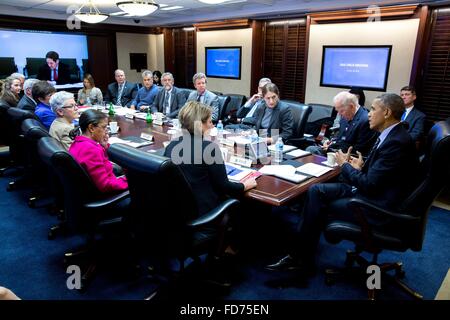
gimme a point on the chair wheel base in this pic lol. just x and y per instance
(11, 186)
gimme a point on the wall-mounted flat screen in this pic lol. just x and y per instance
(366, 67)
(223, 62)
(27, 48)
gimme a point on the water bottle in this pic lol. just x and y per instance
(279, 151)
(219, 128)
(254, 136)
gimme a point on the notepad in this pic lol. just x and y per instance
(298, 153)
(131, 141)
(286, 172)
(313, 169)
(286, 148)
(236, 173)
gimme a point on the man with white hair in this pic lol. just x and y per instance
(27, 102)
(121, 92)
(354, 130)
(64, 106)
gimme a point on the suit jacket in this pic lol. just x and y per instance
(44, 73)
(209, 182)
(416, 122)
(128, 94)
(60, 130)
(356, 133)
(27, 103)
(281, 119)
(210, 99)
(390, 171)
(178, 99)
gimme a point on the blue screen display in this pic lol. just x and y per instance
(223, 62)
(365, 67)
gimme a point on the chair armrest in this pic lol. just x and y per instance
(108, 201)
(214, 214)
(359, 203)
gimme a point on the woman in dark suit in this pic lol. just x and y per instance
(204, 167)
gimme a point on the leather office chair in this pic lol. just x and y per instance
(406, 227)
(236, 102)
(15, 117)
(33, 131)
(223, 104)
(85, 208)
(5, 138)
(300, 113)
(164, 208)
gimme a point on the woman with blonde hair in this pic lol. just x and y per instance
(203, 167)
(9, 93)
(89, 95)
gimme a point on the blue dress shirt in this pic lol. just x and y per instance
(145, 97)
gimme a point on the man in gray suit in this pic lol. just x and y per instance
(27, 102)
(170, 99)
(204, 96)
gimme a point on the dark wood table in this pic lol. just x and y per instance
(270, 190)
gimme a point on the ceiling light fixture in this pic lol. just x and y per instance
(91, 16)
(138, 7)
(212, 1)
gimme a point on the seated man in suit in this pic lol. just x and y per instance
(273, 116)
(54, 70)
(204, 96)
(145, 95)
(27, 102)
(245, 114)
(170, 99)
(385, 178)
(121, 92)
(414, 117)
(353, 129)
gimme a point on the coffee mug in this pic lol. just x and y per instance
(113, 127)
(331, 159)
(176, 123)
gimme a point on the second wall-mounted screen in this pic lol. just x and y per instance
(366, 67)
(223, 62)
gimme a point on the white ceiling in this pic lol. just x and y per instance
(193, 11)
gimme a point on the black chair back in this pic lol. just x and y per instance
(15, 117)
(33, 131)
(161, 198)
(77, 184)
(223, 104)
(236, 101)
(5, 130)
(436, 168)
(300, 113)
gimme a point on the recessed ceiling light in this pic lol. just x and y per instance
(172, 8)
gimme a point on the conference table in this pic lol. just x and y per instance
(270, 189)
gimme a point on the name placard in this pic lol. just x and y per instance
(226, 142)
(129, 116)
(241, 161)
(158, 122)
(146, 136)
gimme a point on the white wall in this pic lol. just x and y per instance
(400, 34)
(151, 44)
(234, 37)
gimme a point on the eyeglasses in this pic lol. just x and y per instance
(69, 106)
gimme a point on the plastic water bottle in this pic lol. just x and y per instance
(219, 128)
(254, 136)
(279, 151)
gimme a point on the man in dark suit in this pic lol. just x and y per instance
(414, 117)
(121, 92)
(204, 96)
(353, 129)
(27, 102)
(170, 99)
(54, 70)
(273, 115)
(385, 178)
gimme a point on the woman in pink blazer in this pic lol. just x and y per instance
(89, 150)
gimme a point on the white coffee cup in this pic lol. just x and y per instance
(331, 159)
(176, 123)
(113, 127)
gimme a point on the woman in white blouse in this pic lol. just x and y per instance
(89, 95)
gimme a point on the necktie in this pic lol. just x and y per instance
(119, 95)
(404, 116)
(199, 97)
(166, 103)
(371, 153)
(55, 75)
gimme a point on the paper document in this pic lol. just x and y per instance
(286, 172)
(237, 173)
(121, 111)
(313, 169)
(286, 148)
(298, 153)
(132, 141)
(68, 85)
